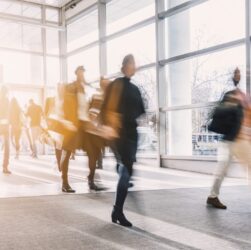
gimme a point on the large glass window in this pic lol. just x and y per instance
(53, 71)
(205, 78)
(52, 41)
(52, 15)
(132, 43)
(17, 36)
(187, 133)
(205, 25)
(20, 9)
(121, 14)
(89, 59)
(82, 31)
(21, 68)
(146, 81)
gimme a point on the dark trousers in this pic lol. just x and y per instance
(64, 165)
(93, 150)
(122, 187)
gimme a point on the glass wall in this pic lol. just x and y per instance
(198, 44)
(127, 24)
(200, 48)
(28, 44)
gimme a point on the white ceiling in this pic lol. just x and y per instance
(55, 3)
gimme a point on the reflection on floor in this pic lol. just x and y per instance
(35, 177)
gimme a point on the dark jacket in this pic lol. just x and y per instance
(129, 106)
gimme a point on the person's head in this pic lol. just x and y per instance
(79, 72)
(128, 66)
(236, 76)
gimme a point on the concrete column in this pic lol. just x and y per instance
(179, 74)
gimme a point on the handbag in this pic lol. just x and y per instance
(226, 119)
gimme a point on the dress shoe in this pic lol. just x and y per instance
(93, 186)
(215, 202)
(67, 189)
(118, 216)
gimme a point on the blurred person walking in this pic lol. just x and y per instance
(122, 106)
(16, 123)
(76, 111)
(232, 118)
(35, 113)
(4, 127)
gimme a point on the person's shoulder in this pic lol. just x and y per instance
(71, 87)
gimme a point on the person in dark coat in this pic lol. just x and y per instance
(122, 106)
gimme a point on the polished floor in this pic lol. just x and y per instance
(167, 208)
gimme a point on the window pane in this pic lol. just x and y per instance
(193, 138)
(11, 35)
(89, 59)
(146, 81)
(121, 14)
(21, 68)
(52, 15)
(205, 78)
(173, 3)
(147, 130)
(31, 11)
(53, 71)
(20, 9)
(52, 41)
(32, 38)
(205, 25)
(17, 36)
(83, 31)
(10, 7)
(144, 52)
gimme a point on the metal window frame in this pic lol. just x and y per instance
(161, 14)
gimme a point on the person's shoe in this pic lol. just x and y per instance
(130, 185)
(6, 171)
(118, 216)
(67, 189)
(215, 202)
(94, 187)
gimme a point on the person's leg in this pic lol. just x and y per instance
(58, 153)
(34, 138)
(17, 142)
(224, 160)
(242, 151)
(92, 146)
(64, 165)
(6, 153)
(121, 194)
(100, 159)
